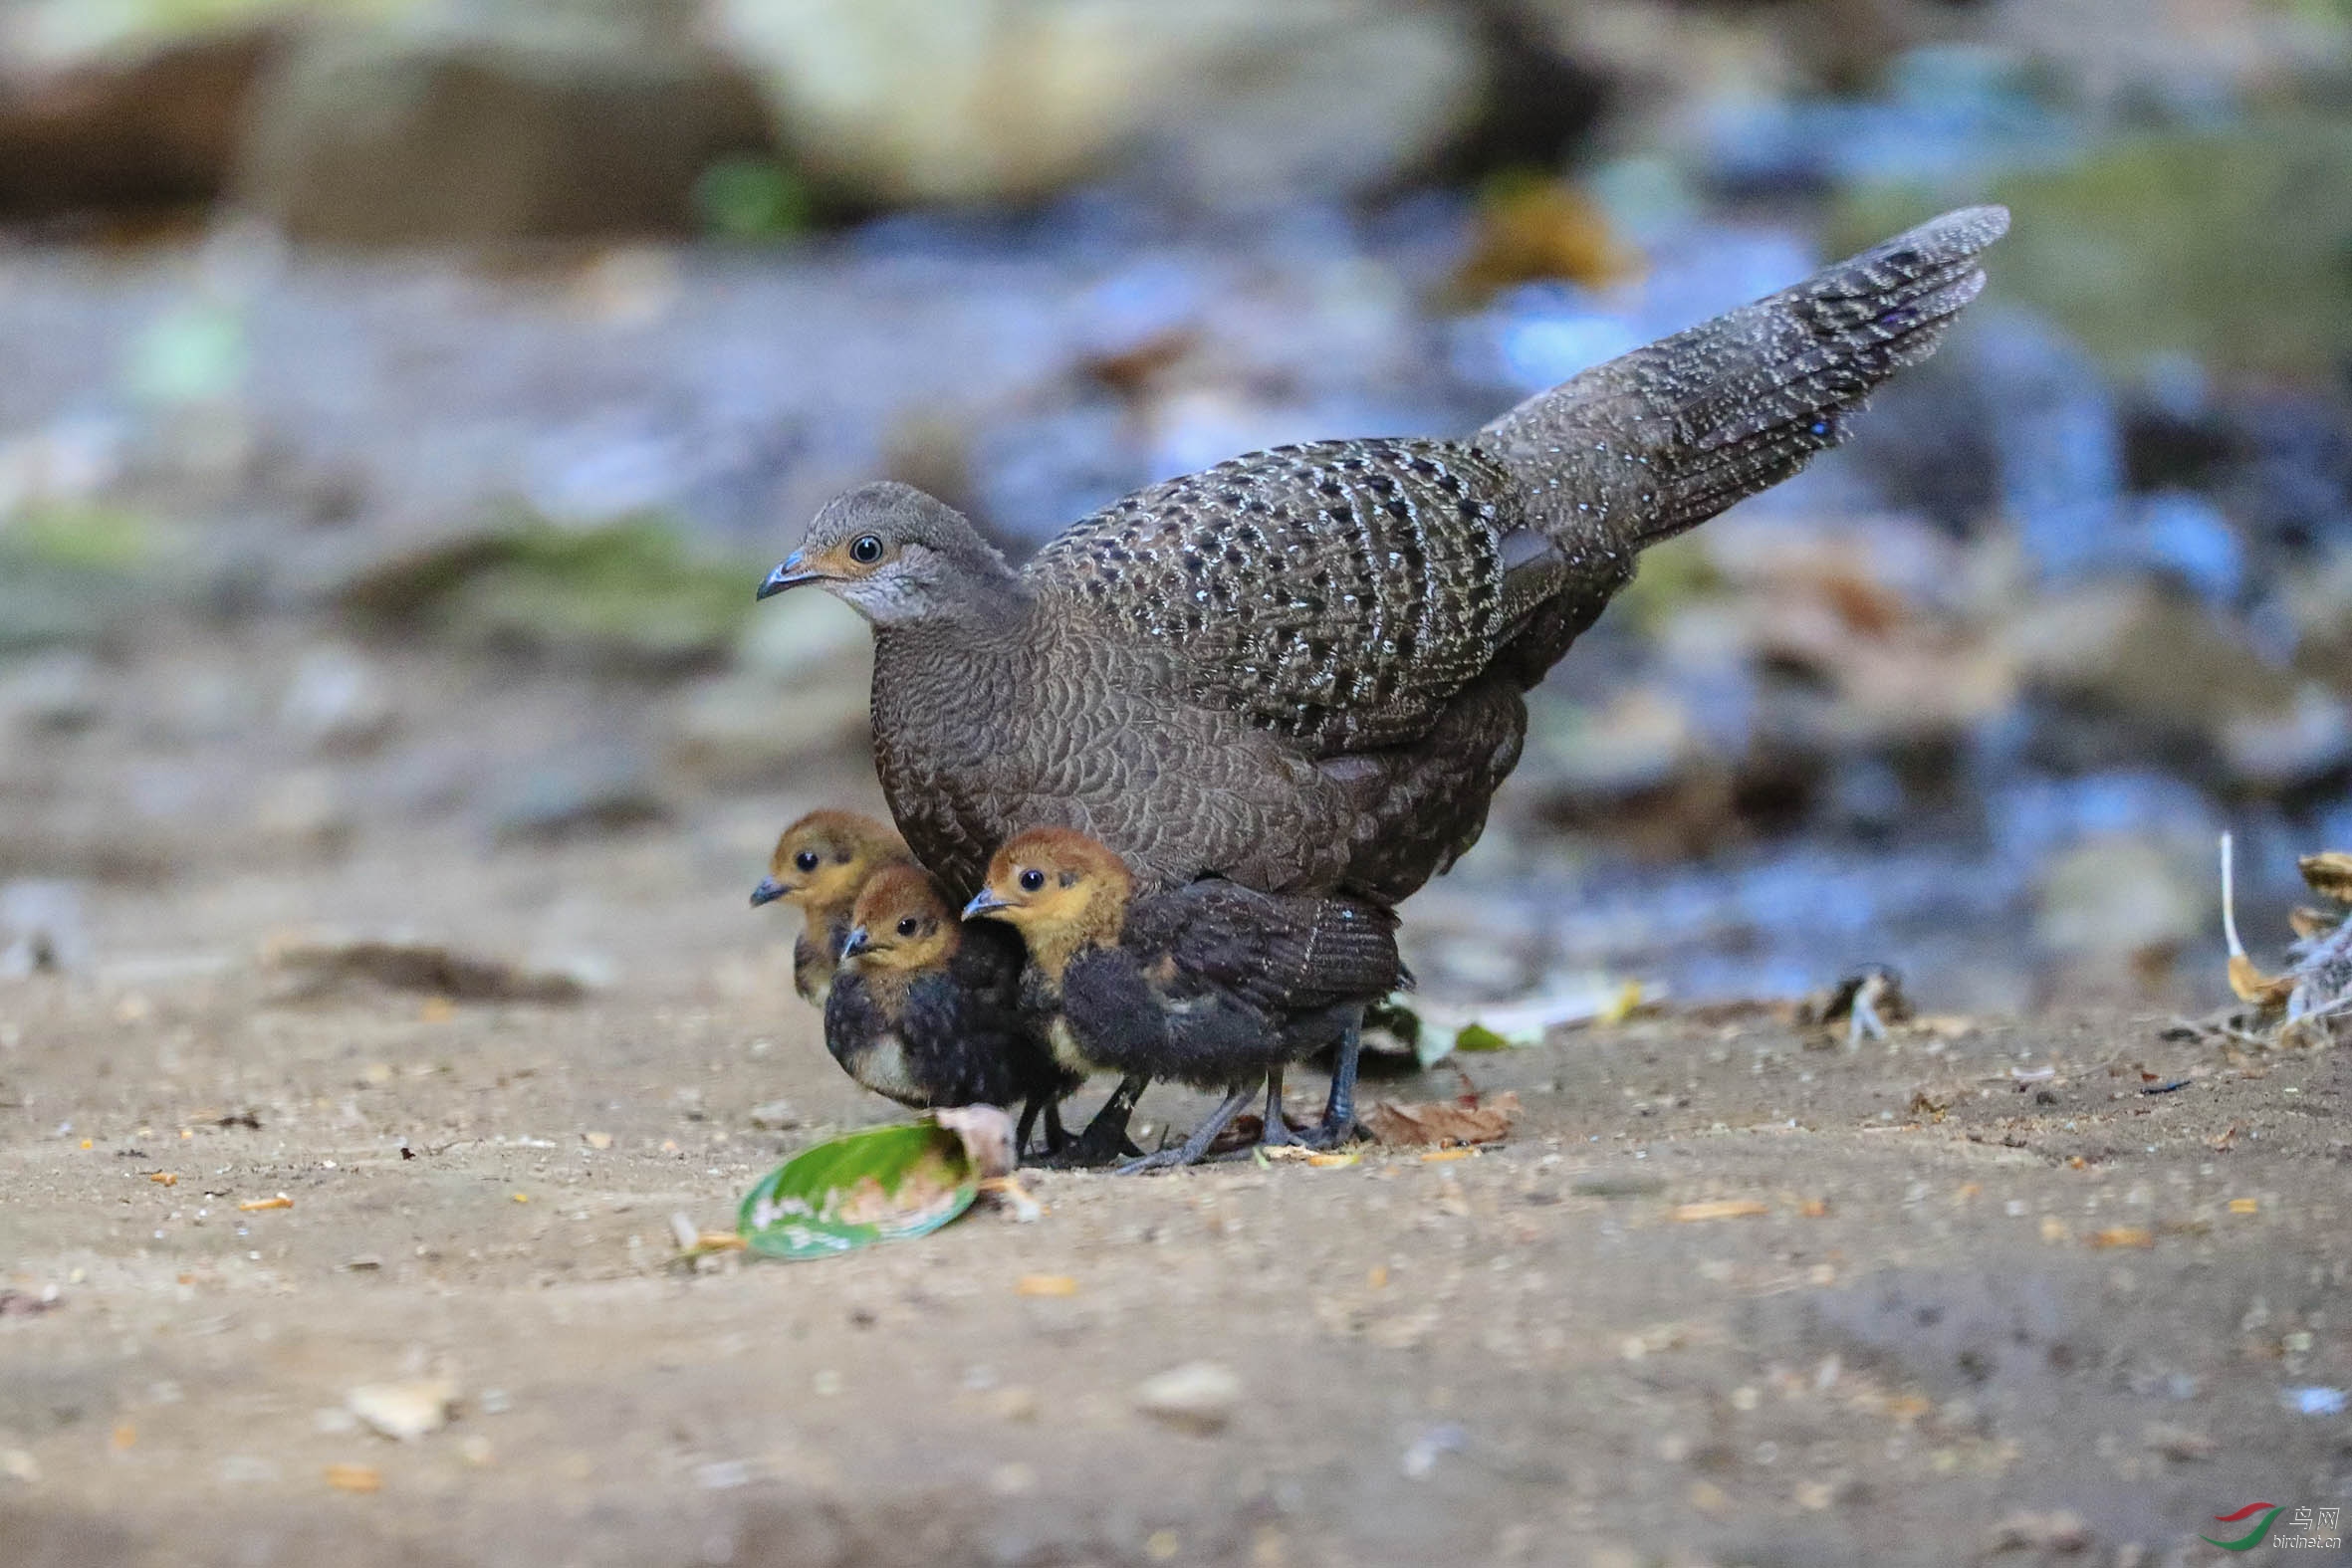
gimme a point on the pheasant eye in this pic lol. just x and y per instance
(805, 860)
(906, 927)
(1032, 880)
(867, 549)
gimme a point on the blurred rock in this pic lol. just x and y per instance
(54, 694)
(751, 729)
(1941, 113)
(595, 790)
(303, 814)
(2225, 245)
(2318, 603)
(803, 669)
(2306, 744)
(151, 123)
(1225, 103)
(42, 929)
(517, 125)
(2159, 661)
(336, 703)
(631, 596)
(2119, 897)
(1637, 742)
(70, 575)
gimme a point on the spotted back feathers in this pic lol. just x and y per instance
(1338, 592)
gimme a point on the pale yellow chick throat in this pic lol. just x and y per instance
(1059, 927)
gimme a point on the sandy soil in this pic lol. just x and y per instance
(1937, 1313)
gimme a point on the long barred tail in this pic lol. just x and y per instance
(1665, 437)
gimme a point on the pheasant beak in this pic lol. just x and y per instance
(856, 942)
(986, 902)
(768, 892)
(793, 570)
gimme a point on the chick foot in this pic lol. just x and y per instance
(1190, 1151)
(1105, 1137)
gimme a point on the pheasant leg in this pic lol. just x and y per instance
(1278, 1130)
(1339, 1123)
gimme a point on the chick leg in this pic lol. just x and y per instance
(1191, 1150)
(1278, 1131)
(1105, 1138)
(1338, 1124)
(1056, 1135)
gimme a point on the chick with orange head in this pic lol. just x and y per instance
(927, 1010)
(1211, 984)
(821, 864)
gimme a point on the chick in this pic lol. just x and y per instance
(1211, 984)
(928, 1011)
(821, 863)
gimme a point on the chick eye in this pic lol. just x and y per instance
(906, 927)
(867, 549)
(805, 860)
(1032, 880)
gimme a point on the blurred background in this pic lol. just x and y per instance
(399, 402)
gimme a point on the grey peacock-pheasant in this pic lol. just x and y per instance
(1302, 669)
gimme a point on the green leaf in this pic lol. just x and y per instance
(880, 1184)
(1477, 1037)
(751, 198)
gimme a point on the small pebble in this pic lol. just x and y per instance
(1198, 1397)
(404, 1411)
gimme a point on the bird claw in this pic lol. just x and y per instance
(1164, 1159)
(1328, 1135)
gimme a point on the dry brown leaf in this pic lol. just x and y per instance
(2329, 874)
(1720, 1208)
(1532, 227)
(2222, 1141)
(1013, 1198)
(355, 1477)
(1445, 1122)
(2308, 921)
(2252, 985)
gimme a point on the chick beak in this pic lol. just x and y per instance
(768, 892)
(984, 902)
(789, 574)
(856, 942)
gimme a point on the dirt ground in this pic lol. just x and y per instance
(1732, 1293)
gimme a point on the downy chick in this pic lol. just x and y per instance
(928, 1011)
(1211, 984)
(821, 863)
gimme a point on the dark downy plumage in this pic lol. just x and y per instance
(928, 1012)
(820, 865)
(1211, 984)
